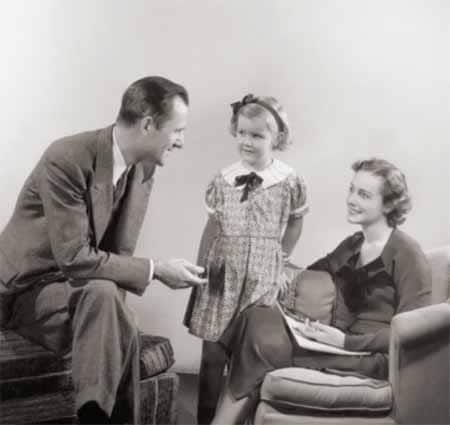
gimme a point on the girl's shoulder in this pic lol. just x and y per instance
(282, 169)
(279, 172)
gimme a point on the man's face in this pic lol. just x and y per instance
(170, 134)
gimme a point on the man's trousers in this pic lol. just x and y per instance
(90, 321)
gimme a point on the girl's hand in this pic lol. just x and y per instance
(324, 333)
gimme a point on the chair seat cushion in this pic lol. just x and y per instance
(313, 390)
(22, 358)
(156, 355)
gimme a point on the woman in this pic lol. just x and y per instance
(379, 272)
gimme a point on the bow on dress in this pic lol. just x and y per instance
(251, 182)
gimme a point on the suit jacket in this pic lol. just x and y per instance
(58, 228)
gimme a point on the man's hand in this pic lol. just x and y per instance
(178, 273)
(324, 333)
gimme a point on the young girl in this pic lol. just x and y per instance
(256, 209)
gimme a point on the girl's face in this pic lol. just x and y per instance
(255, 141)
(365, 200)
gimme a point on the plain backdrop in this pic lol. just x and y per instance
(357, 78)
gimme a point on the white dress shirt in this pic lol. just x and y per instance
(119, 167)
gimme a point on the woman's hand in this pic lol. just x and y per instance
(324, 333)
(283, 286)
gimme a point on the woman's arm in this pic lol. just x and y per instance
(412, 279)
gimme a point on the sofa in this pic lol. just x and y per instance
(416, 392)
(36, 386)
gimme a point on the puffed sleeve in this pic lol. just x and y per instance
(211, 196)
(299, 204)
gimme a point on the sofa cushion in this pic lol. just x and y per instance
(313, 390)
(310, 294)
(21, 358)
(156, 355)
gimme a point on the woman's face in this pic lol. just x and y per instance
(365, 200)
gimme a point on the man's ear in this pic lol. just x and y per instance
(147, 123)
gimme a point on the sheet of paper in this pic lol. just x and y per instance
(296, 328)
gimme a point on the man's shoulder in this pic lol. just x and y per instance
(75, 148)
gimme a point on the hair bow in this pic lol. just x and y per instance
(250, 98)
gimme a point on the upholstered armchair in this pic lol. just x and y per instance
(417, 391)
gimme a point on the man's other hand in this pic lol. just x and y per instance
(178, 273)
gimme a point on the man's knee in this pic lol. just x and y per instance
(102, 290)
(97, 296)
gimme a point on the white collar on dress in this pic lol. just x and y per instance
(272, 174)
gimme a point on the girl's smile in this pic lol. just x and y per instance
(255, 141)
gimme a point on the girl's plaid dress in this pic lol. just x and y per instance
(245, 260)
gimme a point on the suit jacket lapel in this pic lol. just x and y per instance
(101, 190)
(133, 209)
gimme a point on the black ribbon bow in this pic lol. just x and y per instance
(251, 182)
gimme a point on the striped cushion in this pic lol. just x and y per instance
(36, 385)
(156, 355)
(21, 358)
(300, 389)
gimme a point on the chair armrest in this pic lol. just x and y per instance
(419, 365)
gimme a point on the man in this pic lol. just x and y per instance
(67, 252)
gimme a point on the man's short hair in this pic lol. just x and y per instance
(150, 96)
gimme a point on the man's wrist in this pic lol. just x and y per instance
(157, 269)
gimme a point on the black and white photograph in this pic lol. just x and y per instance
(219, 212)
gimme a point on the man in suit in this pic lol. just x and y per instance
(66, 255)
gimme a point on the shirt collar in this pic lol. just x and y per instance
(119, 164)
(271, 175)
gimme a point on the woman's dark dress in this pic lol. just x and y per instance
(367, 299)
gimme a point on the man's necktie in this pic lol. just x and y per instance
(251, 182)
(120, 187)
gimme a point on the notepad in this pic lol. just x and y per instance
(296, 327)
